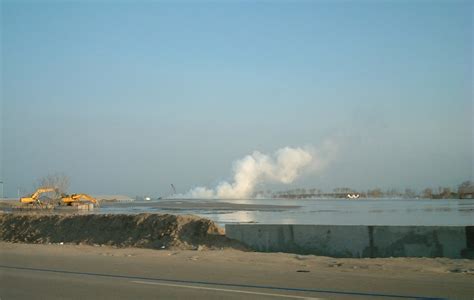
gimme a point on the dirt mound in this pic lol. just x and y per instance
(159, 231)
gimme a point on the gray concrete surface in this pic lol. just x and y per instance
(357, 241)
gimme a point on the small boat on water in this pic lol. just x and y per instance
(353, 196)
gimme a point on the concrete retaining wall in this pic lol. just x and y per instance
(357, 241)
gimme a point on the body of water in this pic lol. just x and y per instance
(442, 212)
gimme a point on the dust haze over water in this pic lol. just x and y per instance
(284, 166)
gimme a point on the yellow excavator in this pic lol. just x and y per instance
(75, 199)
(34, 198)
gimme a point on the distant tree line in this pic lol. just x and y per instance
(464, 190)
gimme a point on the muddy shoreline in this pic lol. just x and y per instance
(10, 205)
(211, 205)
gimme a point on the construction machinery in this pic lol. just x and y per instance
(76, 199)
(34, 198)
(174, 189)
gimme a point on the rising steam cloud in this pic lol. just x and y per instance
(284, 166)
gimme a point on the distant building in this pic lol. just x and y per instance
(466, 191)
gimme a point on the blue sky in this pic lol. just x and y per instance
(129, 97)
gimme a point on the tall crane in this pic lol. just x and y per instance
(174, 189)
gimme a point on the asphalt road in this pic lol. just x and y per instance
(93, 275)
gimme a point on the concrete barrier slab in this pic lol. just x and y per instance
(355, 241)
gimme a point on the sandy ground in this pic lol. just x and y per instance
(374, 266)
(340, 278)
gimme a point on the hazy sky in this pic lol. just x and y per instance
(130, 97)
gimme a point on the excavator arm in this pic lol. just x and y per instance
(35, 196)
(75, 198)
(41, 191)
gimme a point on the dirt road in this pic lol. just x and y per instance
(87, 272)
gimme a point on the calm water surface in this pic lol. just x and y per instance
(332, 211)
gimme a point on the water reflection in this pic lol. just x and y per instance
(237, 217)
(330, 211)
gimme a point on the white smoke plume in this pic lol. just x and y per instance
(284, 166)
